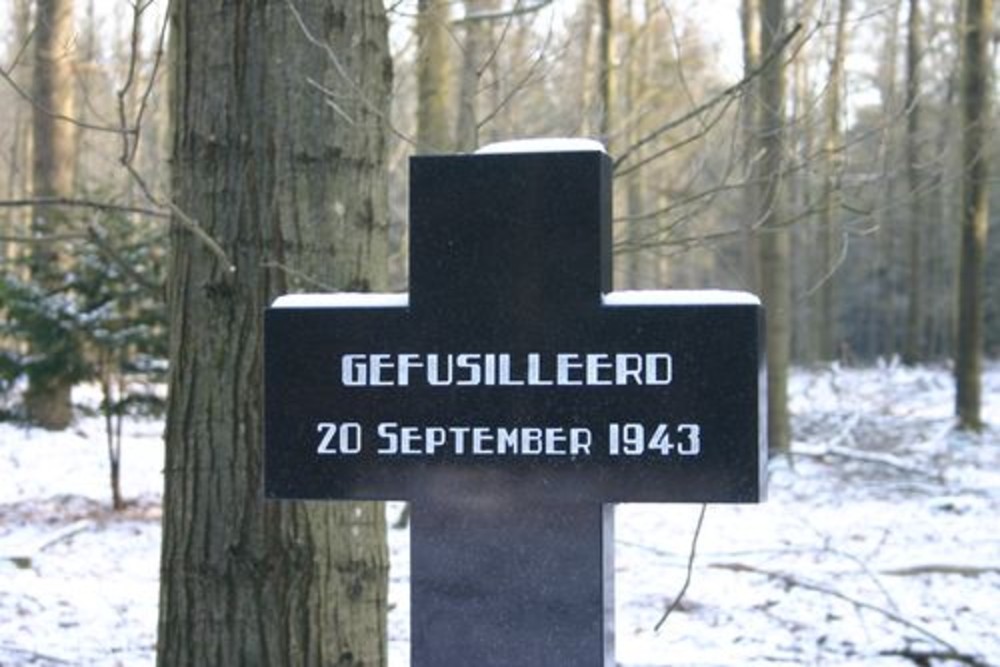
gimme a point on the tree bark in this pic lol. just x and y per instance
(47, 400)
(913, 348)
(974, 215)
(290, 184)
(634, 258)
(433, 89)
(750, 28)
(18, 182)
(604, 71)
(830, 206)
(473, 47)
(773, 232)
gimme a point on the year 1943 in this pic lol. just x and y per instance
(633, 439)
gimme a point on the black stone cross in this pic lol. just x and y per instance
(512, 397)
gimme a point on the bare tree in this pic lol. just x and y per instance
(279, 115)
(433, 77)
(18, 180)
(913, 348)
(772, 226)
(48, 397)
(474, 56)
(833, 157)
(605, 69)
(974, 214)
(750, 27)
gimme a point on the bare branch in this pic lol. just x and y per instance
(97, 237)
(153, 75)
(345, 75)
(25, 95)
(49, 238)
(518, 10)
(520, 85)
(791, 580)
(723, 96)
(82, 203)
(301, 275)
(690, 567)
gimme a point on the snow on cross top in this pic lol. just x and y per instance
(542, 145)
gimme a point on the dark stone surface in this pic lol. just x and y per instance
(511, 558)
(503, 582)
(510, 255)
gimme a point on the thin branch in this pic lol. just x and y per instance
(832, 269)
(726, 94)
(345, 75)
(301, 275)
(690, 567)
(72, 202)
(793, 581)
(127, 151)
(97, 237)
(192, 225)
(49, 238)
(58, 116)
(499, 42)
(153, 74)
(518, 10)
(919, 657)
(705, 128)
(23, 48)
(520, 85)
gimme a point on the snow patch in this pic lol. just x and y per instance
(542, 145)
(344, 300)
(680, 298)
(848, 541)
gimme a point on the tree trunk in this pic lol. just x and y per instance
(473, 47)
(634, 256)
(433, 91)
(18, 185)
(585, 94)
(750, 27)
(914, 348)
(604, 67)
(884, 318)
(773, 233)
(974, 216)
(293, 188)
(47, 400)
(830, 206)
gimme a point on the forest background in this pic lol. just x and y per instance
(831, 156)
(871, 156)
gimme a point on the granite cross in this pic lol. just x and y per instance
(511, 396)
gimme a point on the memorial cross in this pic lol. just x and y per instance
(511, 397)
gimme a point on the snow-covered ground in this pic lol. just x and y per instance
(879, 545)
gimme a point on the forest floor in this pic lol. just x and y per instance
(879, 544)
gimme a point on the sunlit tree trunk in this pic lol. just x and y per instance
(750, 26)
(883, 329)
(293, 189)
(974, 214)
(585, 54)
(913, 349)
(833, 158)
(433, 89)
(604, 70)
(48, 400)
(474, 51)
(772, 231)
(18, 182)
(633, 76)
